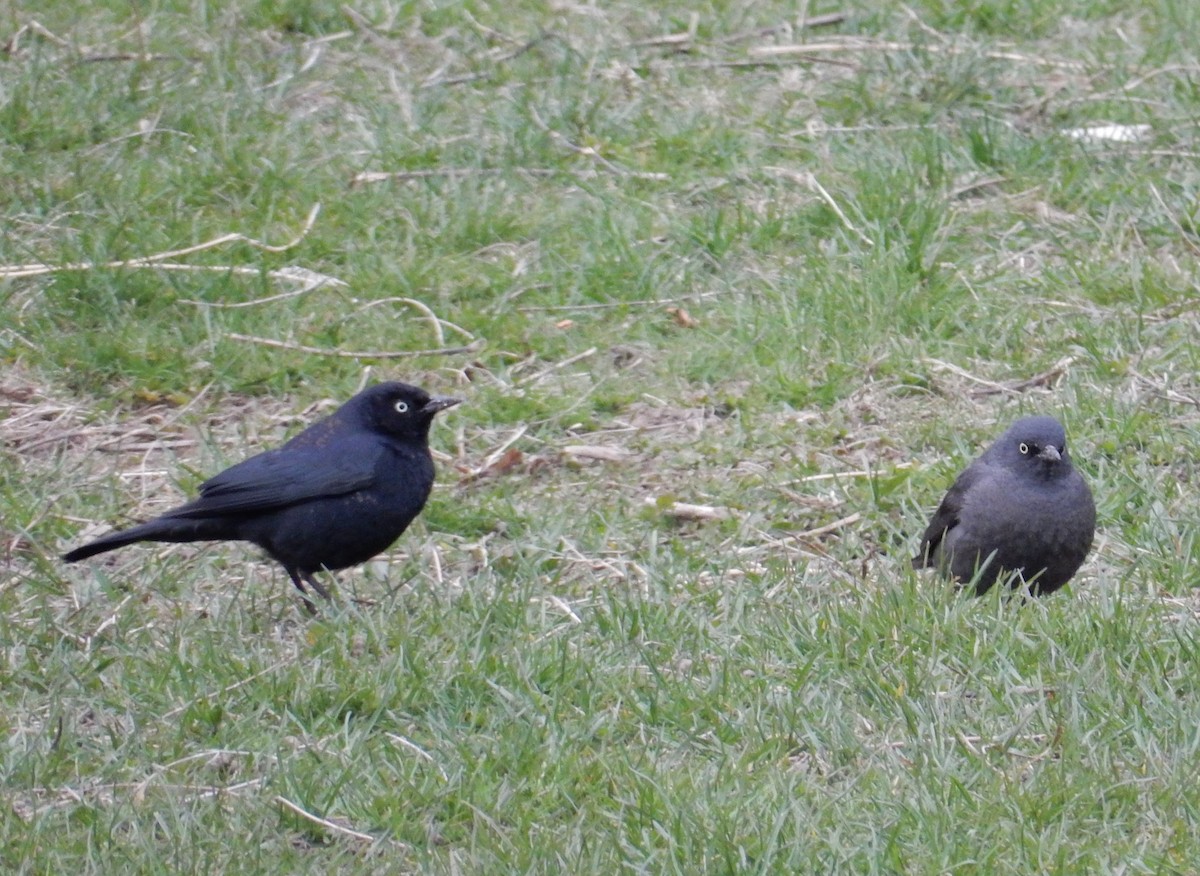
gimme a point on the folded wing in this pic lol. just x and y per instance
(281, 478)
(946, 517)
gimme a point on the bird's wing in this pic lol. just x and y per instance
(946, 517)
(286, 476)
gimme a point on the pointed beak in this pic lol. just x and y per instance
(1050, 453)
(440, 403)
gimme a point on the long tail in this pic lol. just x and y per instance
(162, 529)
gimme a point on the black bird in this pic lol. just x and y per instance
(334, 496)
(1020, 507)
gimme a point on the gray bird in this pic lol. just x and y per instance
(1020, 507)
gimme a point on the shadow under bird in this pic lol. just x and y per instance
(1021, 507)
(334, 496)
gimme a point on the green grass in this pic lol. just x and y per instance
(884, 251)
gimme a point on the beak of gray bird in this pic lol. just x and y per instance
(1049, 453)
(440, 403)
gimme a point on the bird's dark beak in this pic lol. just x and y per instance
(440, 403)
(1049, 453)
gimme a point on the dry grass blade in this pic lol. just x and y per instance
(375, 176)
(13, 43)
(819, 531)
(356, 354)
(810, 181)
(161, 260)
(418, 750)
(557, 366)
(688, 510)
(435, 322)
(601, 452)
(309, 281)
(333, 826)
(863, 45)
(1045, 379)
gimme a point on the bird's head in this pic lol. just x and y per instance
(1033, 443)
(400, 410)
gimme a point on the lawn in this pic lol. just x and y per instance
(731, 291)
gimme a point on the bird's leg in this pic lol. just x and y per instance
(317, 586)
(294, 574)
(301, 575)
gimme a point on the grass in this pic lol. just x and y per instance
(672, 260)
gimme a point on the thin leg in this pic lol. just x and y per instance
(294, 574)
(316, 585)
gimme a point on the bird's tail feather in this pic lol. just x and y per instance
(163, 529)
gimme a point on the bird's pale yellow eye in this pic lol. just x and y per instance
(1024, 448)
(401, 407)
